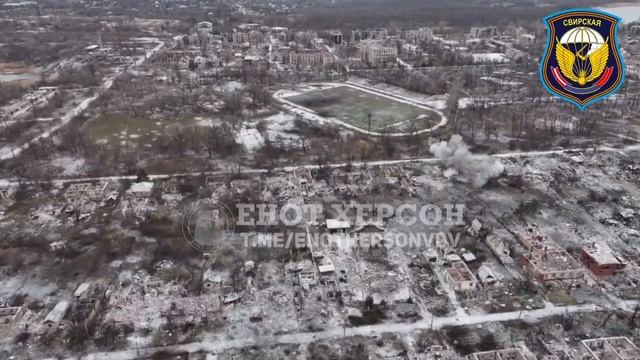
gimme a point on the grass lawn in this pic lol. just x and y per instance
(119, 128)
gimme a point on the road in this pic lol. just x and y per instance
(254, 171)
(9, 152)
(338, 331)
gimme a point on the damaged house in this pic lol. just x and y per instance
(460, 277)
(546, 261)
(601, 260)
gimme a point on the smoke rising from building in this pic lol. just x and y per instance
(455, 154)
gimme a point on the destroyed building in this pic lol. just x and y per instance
(546, 261)
(611, 348)
(53, 320)
(504, 354)
(601, 260)
(460, 277)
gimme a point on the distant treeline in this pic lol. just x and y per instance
(362, 14)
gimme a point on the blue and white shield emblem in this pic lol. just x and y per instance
(582, 63)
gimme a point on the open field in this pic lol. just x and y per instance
(142, 130)
(356, 107)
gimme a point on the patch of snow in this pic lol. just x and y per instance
(70, 166)
(250, 138)
(490, 57)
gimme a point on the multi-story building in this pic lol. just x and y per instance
(416, 36)
(336, 37)
(253, 37)
(304, 36)
(310, 57)
(374, 34)
(514, 32)
(484, 32)
(546, 261)
(281, 54)
(172, 57)
(377, 55)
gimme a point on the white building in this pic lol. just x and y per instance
(310, 58)
(376, 54)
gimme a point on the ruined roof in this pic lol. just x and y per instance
(57, 314)
(82, 289)
(504, 354)
(460, 272)
(612, 348)
(602, 254)
(486, 274)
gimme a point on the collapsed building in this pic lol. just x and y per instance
(611, 348)
(9, 315)
(460, 277)
(79, 193)
(88, 303)
(33, 100)
(504, 354)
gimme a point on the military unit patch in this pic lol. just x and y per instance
(582, 63)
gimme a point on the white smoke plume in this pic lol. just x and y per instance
(455, 154)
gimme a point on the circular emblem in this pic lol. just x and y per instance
(206, 225)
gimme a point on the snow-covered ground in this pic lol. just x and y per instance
(70, 166)
(500, 81)
(250, 138)
(490, 58)
(229, 168)
(229, 86)
(216, 346)
(8, 152)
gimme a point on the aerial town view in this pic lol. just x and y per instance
(319, 179)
